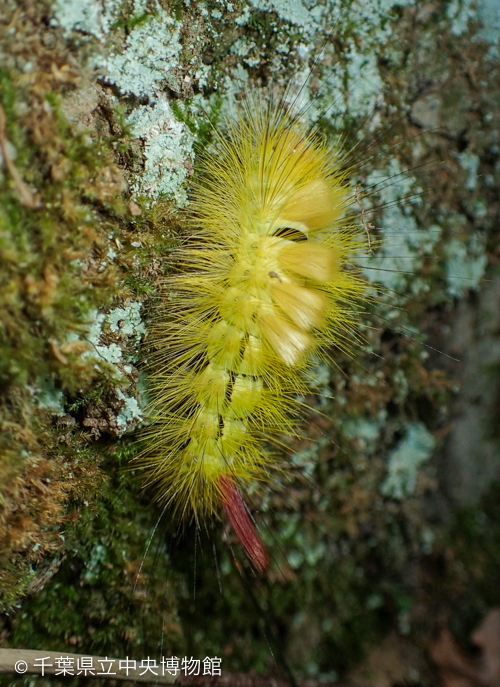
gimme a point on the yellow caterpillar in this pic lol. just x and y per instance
(265, 280)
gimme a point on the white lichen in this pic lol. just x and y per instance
(130, 413)
(405, 460)
(111, 353)
(460, 12)
(91, 17)
(366, 432)
(365, 85)
(48, 397)
(465, 264)
(168, 151)
(242, 47)
(150, 55)
(145, 66)
(404, 246)
(470, 163)
(353, 82)
(292, 11)
(127, 321)
(486, 13)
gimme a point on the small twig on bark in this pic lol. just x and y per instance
(368, 226)
(27, 197)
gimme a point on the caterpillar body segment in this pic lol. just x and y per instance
(265, 281)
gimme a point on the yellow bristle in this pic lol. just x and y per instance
(315, 206)
(254, 358)
(305, 307)
(224, 345)
(246, 394)
(288, 341)
(310, 260)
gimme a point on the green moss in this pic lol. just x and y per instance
(90, 606)
(131, 22)
(61, 264)
(45, 298)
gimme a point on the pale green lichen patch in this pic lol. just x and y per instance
(128, 329)
(489, 16)
(405, 459)
(292, 11)
(465, 264)
(168, 152)
(130, 413)
(460, 12)
(304, 459)
(399, 259)
(147, 62)
(246, 49)
(90, 17)
(470, 163)
(144, 66)
(114, 339)
(111, 353)
(463, 15)
(364, 431)
(48, 397)
(351, 77)
(365, 84)
(404, 246)
(127, 321)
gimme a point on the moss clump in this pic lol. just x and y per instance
(61, 196)
(105, 599)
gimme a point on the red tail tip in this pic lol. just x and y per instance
(242, 525)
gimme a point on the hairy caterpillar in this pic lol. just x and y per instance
(266, 281)
(318, 563)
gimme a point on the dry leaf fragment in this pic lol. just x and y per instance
(460, 670)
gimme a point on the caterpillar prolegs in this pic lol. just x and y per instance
(265, 280)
